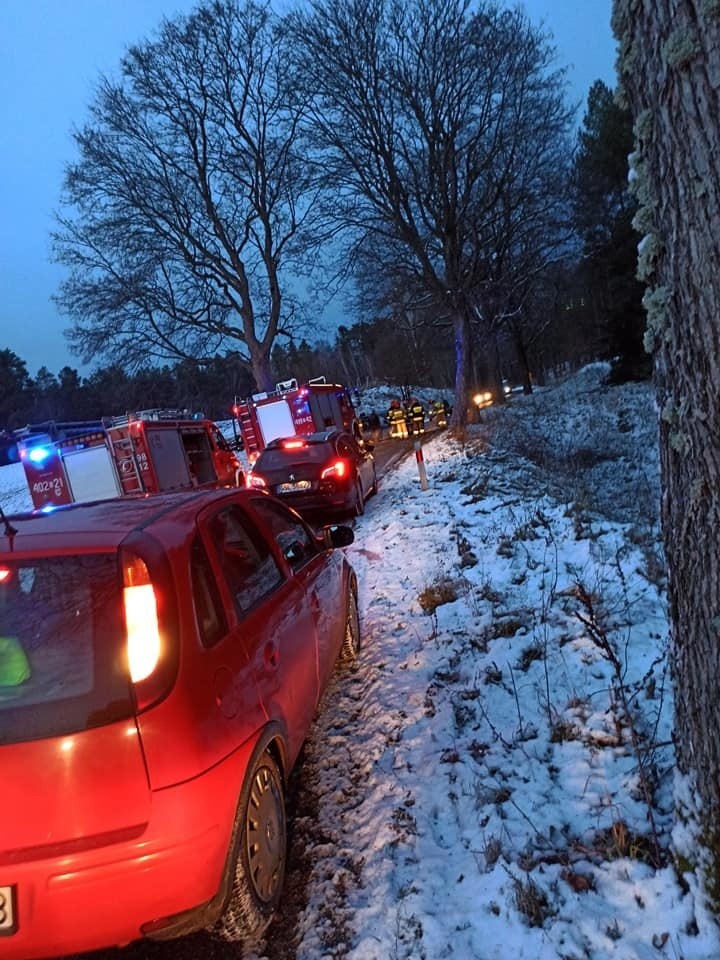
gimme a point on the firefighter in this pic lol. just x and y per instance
(439, 411)
(417, 413)
(407, 413)
(396, 418)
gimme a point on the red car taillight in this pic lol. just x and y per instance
(337, 470)
(152, 630)
(144, 646)
(256, 482)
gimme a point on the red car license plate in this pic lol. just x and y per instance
(8, 911)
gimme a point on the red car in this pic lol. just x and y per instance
(161, 659)
(328, 472)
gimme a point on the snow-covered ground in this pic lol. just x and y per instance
(493, 778)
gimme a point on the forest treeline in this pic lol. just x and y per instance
(365, 353)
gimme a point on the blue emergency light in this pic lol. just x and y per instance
(39, 454)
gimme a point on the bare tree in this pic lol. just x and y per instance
(190, 204)
(670, 65)
(423, 109)
(530, 234)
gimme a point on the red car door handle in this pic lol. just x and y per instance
(272, 655)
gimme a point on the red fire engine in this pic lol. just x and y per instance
(292, 409)
(144, 452)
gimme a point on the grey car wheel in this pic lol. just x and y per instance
(374, 487)
(359, 505)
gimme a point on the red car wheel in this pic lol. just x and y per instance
(260, 838)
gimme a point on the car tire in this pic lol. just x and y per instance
(359, 504)
(351, 641)
(259, 855)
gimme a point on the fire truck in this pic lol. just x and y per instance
(293, 409)
(140, 453)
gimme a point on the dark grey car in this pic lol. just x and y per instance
(328, 472)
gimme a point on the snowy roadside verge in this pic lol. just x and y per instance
(495, 776)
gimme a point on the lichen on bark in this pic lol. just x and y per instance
(655, 302)
(681, 47)
(650, 252)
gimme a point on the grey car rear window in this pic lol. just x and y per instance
(280, 457)
(62, 656)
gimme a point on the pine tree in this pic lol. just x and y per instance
(603, 210)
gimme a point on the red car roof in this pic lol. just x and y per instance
(104, 524)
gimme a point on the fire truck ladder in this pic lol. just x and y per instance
(157, 413)
(247, 428)
(127, 466)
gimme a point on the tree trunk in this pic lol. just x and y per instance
(262, 368)
(463, 368)
(670, 62)
(524, 362)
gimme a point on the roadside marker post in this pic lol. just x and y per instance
(421, 464)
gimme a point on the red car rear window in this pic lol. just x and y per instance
(62, 658)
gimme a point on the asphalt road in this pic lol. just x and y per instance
(390, 451)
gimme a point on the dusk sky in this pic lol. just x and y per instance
(51, 55)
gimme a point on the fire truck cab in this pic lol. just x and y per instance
(293, 409)
(144, 452)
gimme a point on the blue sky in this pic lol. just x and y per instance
(51, 54)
